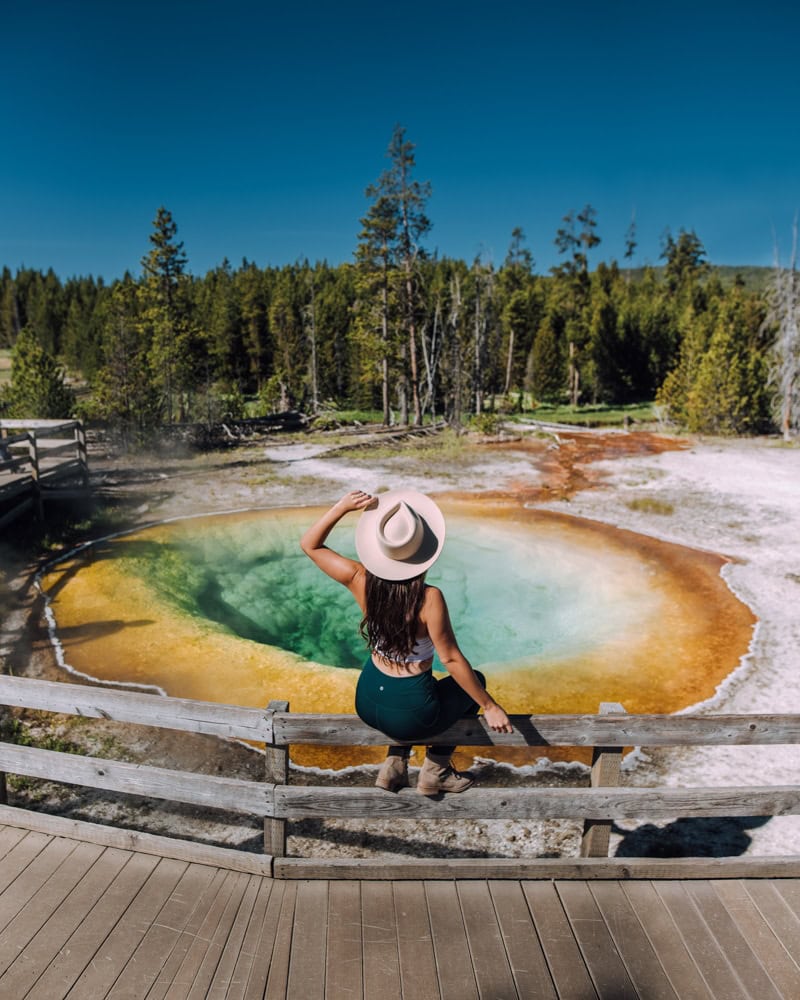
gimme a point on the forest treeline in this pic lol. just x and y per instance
(398, 331)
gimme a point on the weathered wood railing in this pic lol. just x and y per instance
(277, 801)
(34, 456)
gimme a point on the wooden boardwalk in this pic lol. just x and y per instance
(83, 920)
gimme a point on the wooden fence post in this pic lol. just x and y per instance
(276, 772)
(80, 453)
(33, 452)
(605, 771)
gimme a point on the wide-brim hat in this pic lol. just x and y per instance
(401, 536)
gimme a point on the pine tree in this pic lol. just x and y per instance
(515, 286)
(630, 242)
(46, 311)
(164, 270)
(334, 299)
(376, 257)
(728, 392)
(125, 393)
(412, 197)
(81, 342)
(674, 394)
(685, 260)
(9, 310)
(251, 286)
(392, 233)
(286, 326)
(38, 389)
(546, 377)
(573, 276)
(218, 302)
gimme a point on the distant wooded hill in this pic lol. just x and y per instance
(750, 277)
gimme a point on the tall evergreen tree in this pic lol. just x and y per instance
(728, 394)
(125, 394)
(81, 343)
(674, 394)
(685, 260)
(392, 233)
(252, 289)
(9, 310)
(545, 376)
(164, 268)
(577, 237)
(516, 319)
(46, 311)
(219, 305)
(412, 197)
(334, 307)
(376, 257)
(630, 241)
(286, 326)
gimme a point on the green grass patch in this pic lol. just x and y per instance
(591, 416)
(336, 418)
(71, 735)
(651, 505)
(487, 423)
(442, 447)
(332, 419)
(15, 731)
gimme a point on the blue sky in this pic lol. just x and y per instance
(259, 125)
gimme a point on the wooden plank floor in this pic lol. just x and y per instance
(84, 921)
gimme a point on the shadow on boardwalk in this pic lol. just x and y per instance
(712, 837)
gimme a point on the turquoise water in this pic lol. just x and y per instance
(512, 596)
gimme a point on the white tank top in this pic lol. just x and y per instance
(420, 651)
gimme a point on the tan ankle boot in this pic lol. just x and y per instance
(437, 775)
(393, 774)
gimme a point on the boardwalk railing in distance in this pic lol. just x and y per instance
(278, 802)
(37, 458)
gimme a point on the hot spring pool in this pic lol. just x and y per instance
(560, 614)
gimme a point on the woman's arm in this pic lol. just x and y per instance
(336, 566)
(437, 620)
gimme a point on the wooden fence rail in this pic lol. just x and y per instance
(285, 728)
(278, 801)
(33, 467)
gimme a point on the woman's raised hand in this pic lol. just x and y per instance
(355, 500)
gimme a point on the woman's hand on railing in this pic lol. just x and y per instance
(497, 720)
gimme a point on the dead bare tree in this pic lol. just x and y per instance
(310, 324)
(784, 317)
(431, 354)
(484, 287)
(456, 367)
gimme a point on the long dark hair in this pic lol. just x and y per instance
(391, 618)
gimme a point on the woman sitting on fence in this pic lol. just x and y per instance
(398, 538)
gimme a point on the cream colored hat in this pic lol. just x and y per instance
(401, 536)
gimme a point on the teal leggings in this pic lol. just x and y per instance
(413, 708)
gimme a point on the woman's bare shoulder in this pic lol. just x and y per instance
(434, 599)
